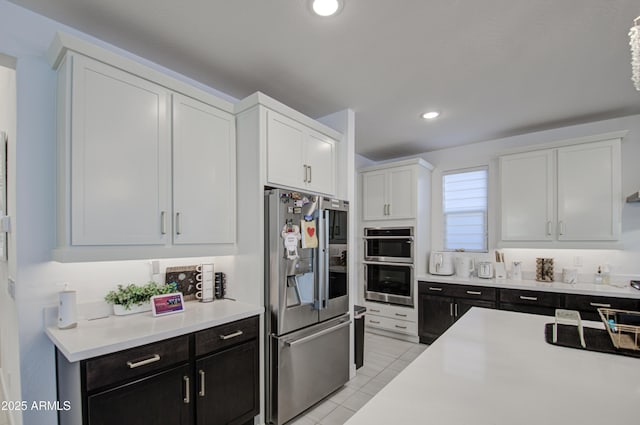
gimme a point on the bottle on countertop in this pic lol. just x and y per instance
(597, 278)
(606, 274)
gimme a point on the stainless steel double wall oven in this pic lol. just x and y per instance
(388, 264)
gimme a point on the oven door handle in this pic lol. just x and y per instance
(386, 263)
(409, 238)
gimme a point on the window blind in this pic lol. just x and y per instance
(465, 210)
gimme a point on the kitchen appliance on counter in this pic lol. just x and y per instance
(388, 265)
(441, 263)
(307, 298)
(485, 270)
(464, 267)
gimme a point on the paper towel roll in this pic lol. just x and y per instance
(67, 313)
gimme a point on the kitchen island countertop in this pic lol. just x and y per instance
(92, 338)
(494, 367)
(619, 290)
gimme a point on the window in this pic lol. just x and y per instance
(464, 202)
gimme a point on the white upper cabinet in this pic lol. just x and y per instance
(389, 194)
(527, 193)
(144, 171)
(204, 157)
(565, 194)
(589, 192)
(120, 164)
(298, 156)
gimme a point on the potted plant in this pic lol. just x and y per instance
(135, 299)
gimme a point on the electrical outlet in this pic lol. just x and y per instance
(155, 267)
(577, 261)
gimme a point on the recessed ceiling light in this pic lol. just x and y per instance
(326, 7)
(431, 115)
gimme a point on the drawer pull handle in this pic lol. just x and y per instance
(433, 288)
(229, 336)
(153, 359)
(401, 315)
(401, 327)
(600, 305)
(201, 393)
(374, 310)
(374, 321)
(522, 297)
(187, 395)
(474, 292)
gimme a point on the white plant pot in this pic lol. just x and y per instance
(119, 310)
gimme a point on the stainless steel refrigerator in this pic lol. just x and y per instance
(307, 300)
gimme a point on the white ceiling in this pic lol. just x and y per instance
(494, 68)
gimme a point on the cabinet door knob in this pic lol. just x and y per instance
(310, 175)
(152, 359)
(401, 315)
(474, 292)
(187, 395)
(522, 297)
(178, 227)
(201, 373)
(232, 335)
(163, 222)
(433, 288)
(548, 228)
(561, 227)
(600, 305)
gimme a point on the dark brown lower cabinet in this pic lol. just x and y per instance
(534, 302)
(440, 305)
(157, 399)
(227, 392)
(434, 317)
(210, 377)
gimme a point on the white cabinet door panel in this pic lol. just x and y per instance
(203, 173)
(373, 195)
(285, 149)
(589, 192)
(320, 154)
(527, 182)
(120, 157)
(401, 193)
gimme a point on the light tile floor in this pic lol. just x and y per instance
(384, 358)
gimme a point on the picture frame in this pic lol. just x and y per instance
(162, 305)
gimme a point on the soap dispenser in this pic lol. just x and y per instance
(597, 278)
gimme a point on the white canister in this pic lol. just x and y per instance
(67, 310)
(570, 275)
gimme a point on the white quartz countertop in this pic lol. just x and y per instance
(93, 338)
(615, 290)
(494, 367)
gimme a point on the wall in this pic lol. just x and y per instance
(625, 263)
(26, 36)
(9, 353)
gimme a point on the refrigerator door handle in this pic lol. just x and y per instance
(318, 334)
(323, 259)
